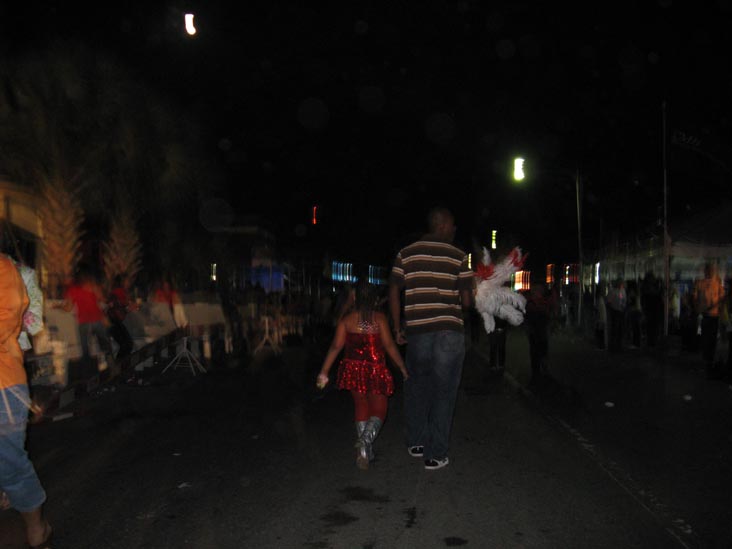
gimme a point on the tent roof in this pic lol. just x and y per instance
(712, 227)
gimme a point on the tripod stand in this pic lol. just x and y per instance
(185, 359)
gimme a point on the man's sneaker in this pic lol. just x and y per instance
(433, 464)
(416, 451)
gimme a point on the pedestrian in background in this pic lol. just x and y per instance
(617, 301)
(708, 298)
(652, 307)
(438, 286)
(165, 292)
(365, 334)
(497, 349)
(601, 324)
(727, 376)
(635, 314)
(118, 305)
(538, 314)
(19, 482)
(83, 297)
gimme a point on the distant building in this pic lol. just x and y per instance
(22, 229)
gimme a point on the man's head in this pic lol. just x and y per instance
(442, 223)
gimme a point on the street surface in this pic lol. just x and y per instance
(255, 457)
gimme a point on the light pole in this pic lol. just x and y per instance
(519, 174)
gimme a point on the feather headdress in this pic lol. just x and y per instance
(492, 298)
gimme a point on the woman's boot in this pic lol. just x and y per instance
(370, 432)
(362, 457)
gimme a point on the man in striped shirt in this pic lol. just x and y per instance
(437, 285)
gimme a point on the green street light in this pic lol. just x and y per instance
(518, 169)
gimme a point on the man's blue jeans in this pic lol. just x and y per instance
(435, 366)
(17, 476)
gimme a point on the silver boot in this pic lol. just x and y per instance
(362, 457)
(373, 426)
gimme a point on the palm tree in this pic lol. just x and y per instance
(122, 253)
(74, 121)
(62, 218)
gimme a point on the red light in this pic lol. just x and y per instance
(315, 215)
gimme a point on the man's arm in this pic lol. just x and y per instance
(395, 310)
(466, 297)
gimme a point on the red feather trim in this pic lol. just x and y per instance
(485, 271)
(516, 258)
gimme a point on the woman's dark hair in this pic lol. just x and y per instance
(367, 296)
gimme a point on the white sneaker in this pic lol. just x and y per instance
(434, 464)
(416, 451)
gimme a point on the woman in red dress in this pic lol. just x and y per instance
(365, 334)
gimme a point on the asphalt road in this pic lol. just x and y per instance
(653, 420)
(253, 457)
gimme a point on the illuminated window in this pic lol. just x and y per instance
(597, 273)
(213, 272)
(342, 272)
(377, 275)
(470, 261)
(494, 239)
(521, 281)
(550, 274)
(570, 274)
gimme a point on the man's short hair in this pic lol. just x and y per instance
(437, 217)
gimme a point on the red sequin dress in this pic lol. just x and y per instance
(363, 367)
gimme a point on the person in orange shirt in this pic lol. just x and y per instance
(708, 298)
(19, 484)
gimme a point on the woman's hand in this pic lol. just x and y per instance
(322, 380)
(404, 372)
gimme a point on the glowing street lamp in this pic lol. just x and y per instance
(190, 27)
(518, 169)
(519, 175)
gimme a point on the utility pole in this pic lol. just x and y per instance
(666, 238)
(578, 189)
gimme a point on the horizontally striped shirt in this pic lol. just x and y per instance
(432, 274)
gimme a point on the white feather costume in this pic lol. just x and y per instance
(492, 298)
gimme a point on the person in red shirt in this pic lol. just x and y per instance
(83, 297)
(165, 293)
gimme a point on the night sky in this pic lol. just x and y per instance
(376, 111)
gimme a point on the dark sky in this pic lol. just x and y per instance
(375, 111)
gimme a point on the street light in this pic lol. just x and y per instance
(519, 175)
(190, 25)
(518, 169)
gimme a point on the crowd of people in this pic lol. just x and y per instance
(101, 309)
(427, 308)
(631, 315)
